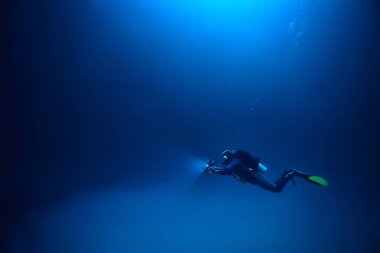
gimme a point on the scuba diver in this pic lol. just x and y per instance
(247, 168)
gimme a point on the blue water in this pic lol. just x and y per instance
(113, 107)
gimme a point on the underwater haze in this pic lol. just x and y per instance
(112, 108)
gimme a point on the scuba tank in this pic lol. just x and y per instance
(253, 163)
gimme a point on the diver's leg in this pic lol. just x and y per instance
(283, 180)
(264, 182)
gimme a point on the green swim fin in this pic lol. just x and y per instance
(313, 179)
(317, 180)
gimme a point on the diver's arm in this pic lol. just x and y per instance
(220, 171)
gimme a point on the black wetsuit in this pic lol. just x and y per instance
(245, 168)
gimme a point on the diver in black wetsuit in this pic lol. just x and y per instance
(247, 168)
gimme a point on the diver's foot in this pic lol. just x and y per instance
(290, 173)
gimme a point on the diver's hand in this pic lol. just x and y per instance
(211, 163)
(209, 169)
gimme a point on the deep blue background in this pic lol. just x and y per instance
(109, 107)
